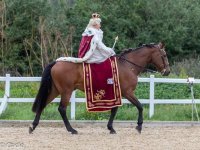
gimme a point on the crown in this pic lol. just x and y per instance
(95, 15)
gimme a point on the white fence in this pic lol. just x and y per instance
(151, 101)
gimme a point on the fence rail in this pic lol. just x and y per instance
(151, 101)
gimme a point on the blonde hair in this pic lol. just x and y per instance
(94, 20)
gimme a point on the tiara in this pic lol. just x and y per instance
(95, 15)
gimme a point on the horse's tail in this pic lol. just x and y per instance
(45, 88)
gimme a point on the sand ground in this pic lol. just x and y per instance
(98, 138)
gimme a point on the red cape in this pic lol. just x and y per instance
(84, 46)
(102, 87)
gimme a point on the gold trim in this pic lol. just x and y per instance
(118, 77)
(100, 104)
(84, 83)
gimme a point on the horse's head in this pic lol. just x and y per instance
(160, 60)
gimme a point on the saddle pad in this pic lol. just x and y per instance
(102, 87)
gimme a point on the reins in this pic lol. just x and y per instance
(132, 63)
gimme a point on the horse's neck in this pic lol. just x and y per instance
(141, 58)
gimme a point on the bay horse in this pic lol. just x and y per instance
(62, 78)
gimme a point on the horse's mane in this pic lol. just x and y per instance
(125, 51)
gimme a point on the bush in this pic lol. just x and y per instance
(37, 32)
(187, 68)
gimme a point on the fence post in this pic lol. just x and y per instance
(4, 103)
(151, 103)
(73, 105)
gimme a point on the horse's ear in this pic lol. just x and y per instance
(161, 45)
(140, 44)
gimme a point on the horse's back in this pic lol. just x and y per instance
(67, 74)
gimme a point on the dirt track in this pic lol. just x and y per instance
(98, 138)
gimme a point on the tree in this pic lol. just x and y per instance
(34, 33)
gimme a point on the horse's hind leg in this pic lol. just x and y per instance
(110, 122)
(53, 94)
(65, 97)
(35, 122)
(137, 103)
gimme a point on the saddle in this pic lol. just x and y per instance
(102, 87)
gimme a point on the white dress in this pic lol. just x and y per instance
(97, 53)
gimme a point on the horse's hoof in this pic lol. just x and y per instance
(30, 130)
(139, 129)
(74, 132)
(113, 132)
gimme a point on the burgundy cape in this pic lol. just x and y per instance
(102, 87)
(84, 46)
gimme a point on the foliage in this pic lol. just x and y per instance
(187, 68)
(33, 33)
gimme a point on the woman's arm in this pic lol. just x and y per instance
(106, 51)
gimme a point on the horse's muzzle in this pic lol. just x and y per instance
(165, 72)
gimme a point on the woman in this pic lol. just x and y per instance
(92, 49)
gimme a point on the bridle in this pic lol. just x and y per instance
(163, 55)
(134, 64)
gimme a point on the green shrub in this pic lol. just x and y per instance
(187, 68)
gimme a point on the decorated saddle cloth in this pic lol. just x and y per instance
(102, 87)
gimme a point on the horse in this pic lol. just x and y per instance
(62, 78)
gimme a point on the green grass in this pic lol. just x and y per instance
(165, 112)
(2, 88)
(22, 111)
(24, 89)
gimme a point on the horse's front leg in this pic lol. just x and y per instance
(110, 122)
(136, 102)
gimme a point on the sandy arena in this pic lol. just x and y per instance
(97, 137)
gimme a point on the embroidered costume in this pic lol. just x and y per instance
(101, 80)
(91, 49)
